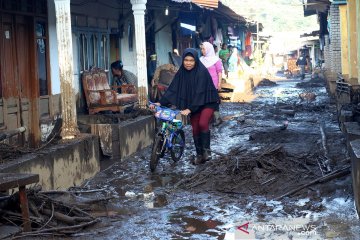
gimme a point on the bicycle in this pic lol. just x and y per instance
(169, 138)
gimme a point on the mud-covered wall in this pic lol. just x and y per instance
(126, 138)
(63, 165)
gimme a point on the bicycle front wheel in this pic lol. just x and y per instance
(156, 152)
(178, 145)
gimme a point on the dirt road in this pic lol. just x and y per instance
(272, 145)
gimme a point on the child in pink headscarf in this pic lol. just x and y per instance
(215, 68)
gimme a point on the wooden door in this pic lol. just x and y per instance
(17, 76)
(24, 44)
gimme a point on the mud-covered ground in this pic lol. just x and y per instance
(266, 148)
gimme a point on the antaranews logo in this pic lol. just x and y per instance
(298, 230)
(244, 227)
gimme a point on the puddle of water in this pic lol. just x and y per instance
(195, 223)
(198, 226)
(163, 181)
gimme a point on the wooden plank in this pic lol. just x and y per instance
(24, 205)
(34, 113)
(15, 180)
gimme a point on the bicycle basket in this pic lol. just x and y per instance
(165, 114)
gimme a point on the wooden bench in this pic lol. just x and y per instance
(19, 180)
(101, 97)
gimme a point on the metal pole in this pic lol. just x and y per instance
(257, 35)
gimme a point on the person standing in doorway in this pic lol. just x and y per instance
(193, 92)
(214, 66)
(224, 55)
(301, 62)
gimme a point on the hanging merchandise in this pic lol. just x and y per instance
(218, 37)
(329, 24)
(214, 26)
(242, 39)
(206, 31)
(230, 31)
(248, 44)
(224, 32)
(323, 24)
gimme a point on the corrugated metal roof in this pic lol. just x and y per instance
(315, 6)
(202, 3)
(207, 3)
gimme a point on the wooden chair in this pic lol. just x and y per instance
(100, 97)
(163, 77)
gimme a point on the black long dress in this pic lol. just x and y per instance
(192, 89)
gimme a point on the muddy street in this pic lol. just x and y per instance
(265, 149)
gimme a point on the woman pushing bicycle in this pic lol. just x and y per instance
(193, 92)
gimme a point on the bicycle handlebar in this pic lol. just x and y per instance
(165, 113)
(176, 111)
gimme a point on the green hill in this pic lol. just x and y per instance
(275, 15)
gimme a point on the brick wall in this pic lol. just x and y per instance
(335, 40)
(327, 53)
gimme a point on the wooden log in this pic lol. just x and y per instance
(73, 208)
(65, 218)
(338, 173)
(60, 229)
(24, 209)
(288, 112)
(9, 133)
(326, 161)
(33, 209)
(59, 216)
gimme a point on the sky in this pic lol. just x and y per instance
(275, 15)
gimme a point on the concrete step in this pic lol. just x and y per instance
(355, 171)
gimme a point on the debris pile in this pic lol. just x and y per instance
(53, 213)
(315, 82)
(269, 171)
(266, 83)
(8, 152)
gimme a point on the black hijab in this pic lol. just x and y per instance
(191, 89)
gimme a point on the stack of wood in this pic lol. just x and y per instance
(54, 213)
